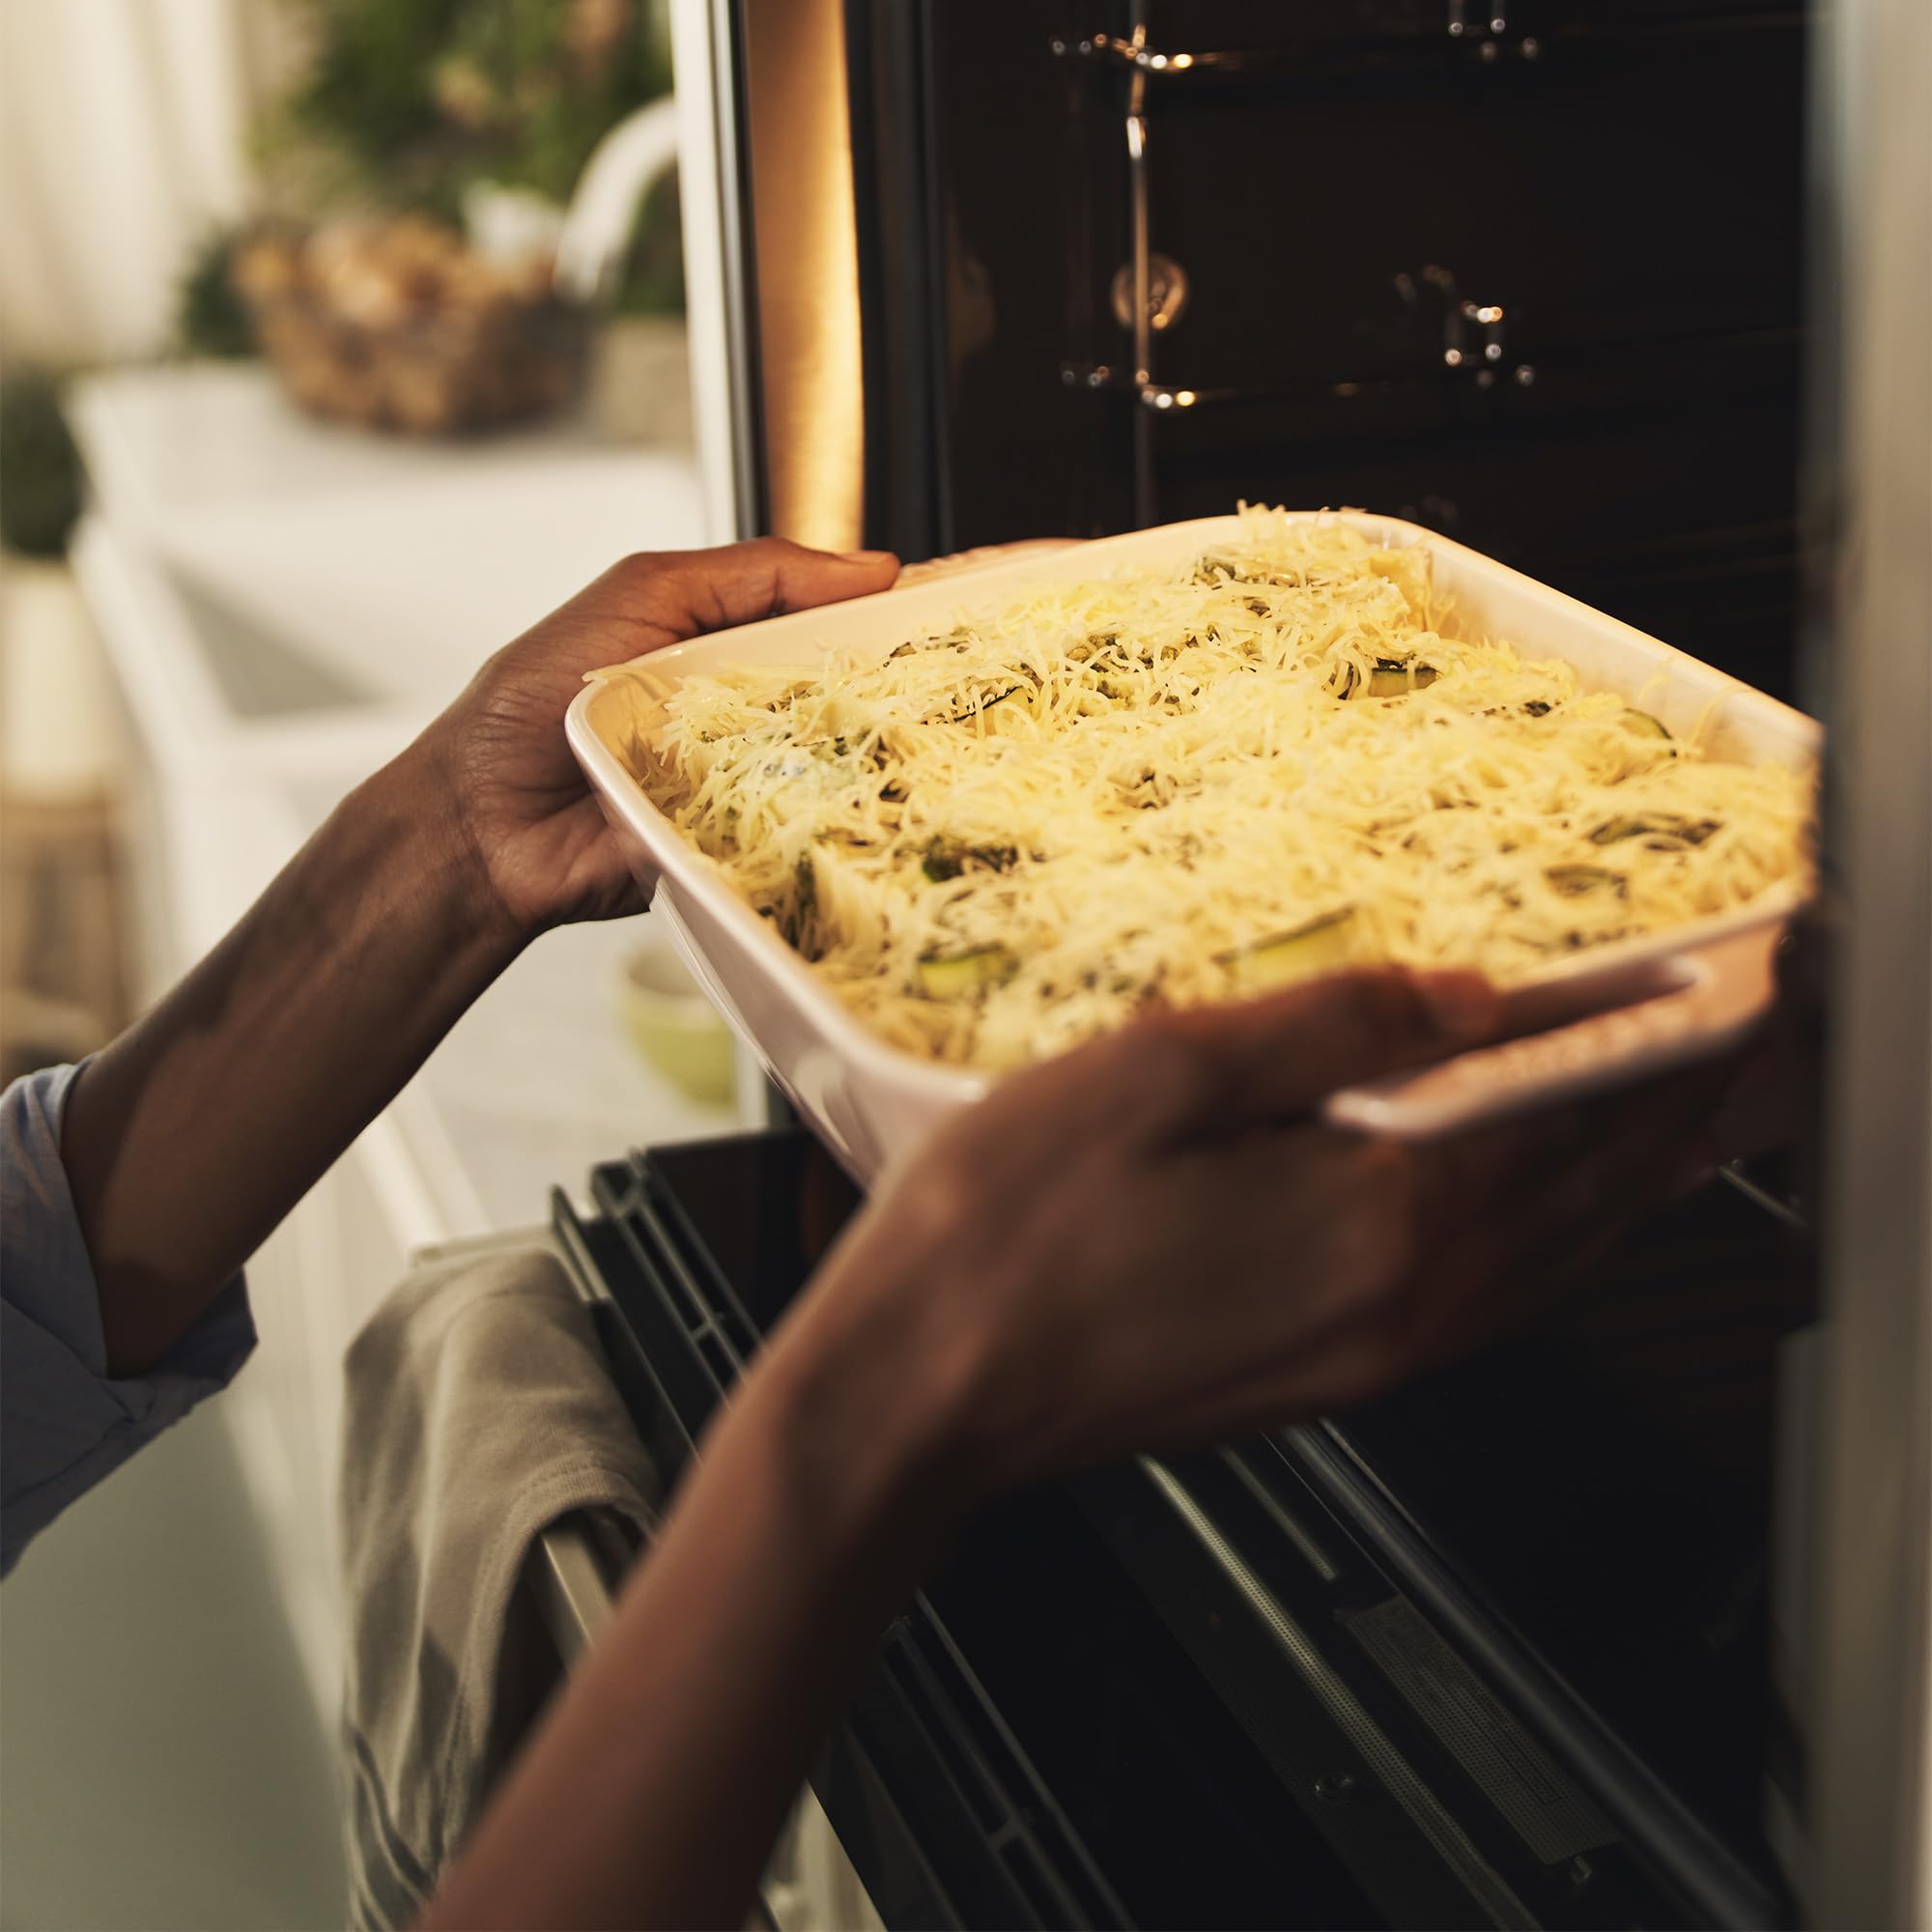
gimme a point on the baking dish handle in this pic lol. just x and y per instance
(1720, 993)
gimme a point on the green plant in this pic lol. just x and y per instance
(411, 101)
(652, 278)
(210, 318)
(39, 468)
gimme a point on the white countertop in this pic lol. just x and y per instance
(175, 439)
(328, 569)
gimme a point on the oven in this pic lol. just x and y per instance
(1487, 1653)
(1623, 1621)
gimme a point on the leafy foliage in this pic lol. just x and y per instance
(417, 99)
(652, 281)
(39, 468)
(210, 318)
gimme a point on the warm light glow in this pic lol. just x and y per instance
(808, 274)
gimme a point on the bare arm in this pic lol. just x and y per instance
(653, 1791)
(191, 1135)
(1205, 1259)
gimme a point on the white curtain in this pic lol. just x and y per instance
(123, 139)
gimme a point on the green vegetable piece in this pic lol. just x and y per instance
(1663, 829)
(1643, 723)
(1574, 882)
(947, 858)
(1396, 677)
(960, 976)
(1284, 958)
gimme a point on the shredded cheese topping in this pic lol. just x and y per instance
(1175, 787)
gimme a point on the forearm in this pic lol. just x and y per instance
(652, 1793)
(190, 1136)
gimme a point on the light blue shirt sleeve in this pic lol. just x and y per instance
(65, 1422)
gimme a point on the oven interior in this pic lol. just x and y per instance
(1529, 274)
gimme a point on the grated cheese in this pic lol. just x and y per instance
(1173, 787)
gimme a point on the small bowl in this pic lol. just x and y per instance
(675, 1027)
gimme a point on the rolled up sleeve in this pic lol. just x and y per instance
(65, 1422)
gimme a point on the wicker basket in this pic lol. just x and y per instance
(396, 326)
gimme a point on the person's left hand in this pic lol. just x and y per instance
(522, 815)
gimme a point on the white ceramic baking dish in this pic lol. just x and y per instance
(1606, 1017)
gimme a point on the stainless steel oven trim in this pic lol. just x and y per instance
(573, 1593)
(1690, 1856)
(1486, 1886)
(1864, 1528)
(716, 293)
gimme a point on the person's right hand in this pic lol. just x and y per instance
(1154, 1240)
(1151, 1241)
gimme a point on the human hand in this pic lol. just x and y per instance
(1154, 1240)
(522, 817)
(528, 833)
(1151, 1240)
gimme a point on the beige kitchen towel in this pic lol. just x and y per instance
(478, 1413)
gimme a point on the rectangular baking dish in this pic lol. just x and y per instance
(1606, 1017)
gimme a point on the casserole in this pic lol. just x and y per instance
(1608, 1016)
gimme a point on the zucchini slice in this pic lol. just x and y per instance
(1574, 882)
(1396, 677)
(1663, 829)
(959, 975)
(1642, 722)
(1284, 958)
(947, 858)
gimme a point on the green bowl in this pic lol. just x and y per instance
(675, 1027)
